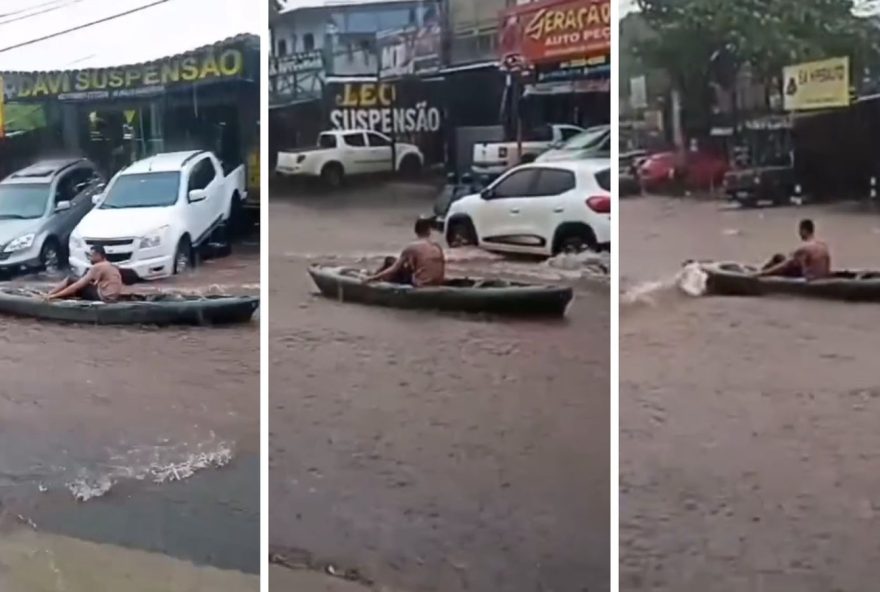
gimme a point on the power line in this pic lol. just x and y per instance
(33, 6)
(57, 6)
(84, 26)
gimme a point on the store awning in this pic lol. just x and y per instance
(236, 58)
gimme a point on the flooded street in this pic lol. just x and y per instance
(431, 452)
(749, 442)
(138, 437)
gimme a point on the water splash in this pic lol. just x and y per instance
(87, 488)
(690, 280)
(214, 459)
(156, 464)
(588, 262)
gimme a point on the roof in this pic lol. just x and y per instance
(293, 5)
(162, 163)
(170, 28)
(42, 171)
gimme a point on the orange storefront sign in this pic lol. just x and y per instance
(556, 30)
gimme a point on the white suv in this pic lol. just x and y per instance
(346, 153)
(540, 208)
(156, 213)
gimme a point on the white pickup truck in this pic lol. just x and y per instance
(493, 158)
(155, 214)
(345, 153)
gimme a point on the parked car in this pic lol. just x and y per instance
(701, 170)
(595, 142)
(39, 208)
(493, 158)
(348, 153)
(771, 180)
(156, 214)
(538, 208)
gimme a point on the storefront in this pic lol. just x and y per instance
(206, 99)
(557, 53)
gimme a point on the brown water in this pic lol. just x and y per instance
(115, 416)
(432, 452)
(748, 444)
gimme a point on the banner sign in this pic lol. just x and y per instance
(555, 30)
(816, 85)
(638, 92)
(307, 61)
(215, 63)
(581, 68)
(408, 110)
(411, 50)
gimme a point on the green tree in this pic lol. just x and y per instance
(698, 41)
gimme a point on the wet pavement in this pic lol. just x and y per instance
(135, 437)
(749, 437)
(429, 452)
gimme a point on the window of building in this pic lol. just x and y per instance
(308, 42)
(282, 47)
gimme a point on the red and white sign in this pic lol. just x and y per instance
(556, 30)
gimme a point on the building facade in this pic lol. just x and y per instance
(327, 56)
(206, 99)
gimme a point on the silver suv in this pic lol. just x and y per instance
(39, 208)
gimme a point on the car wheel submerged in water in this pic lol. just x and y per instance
(51, 256)
(461, 233)
(332, 175)
(575, 240)
(183, 256)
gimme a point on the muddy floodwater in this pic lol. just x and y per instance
(749, 445)
(146, 438)
(432, 452)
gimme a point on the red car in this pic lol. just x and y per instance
(703, 170)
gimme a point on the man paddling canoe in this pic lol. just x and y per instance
(101, 283)
(422, 263)
(812, 260)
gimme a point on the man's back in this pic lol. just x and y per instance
(426, 262)
(815, 259)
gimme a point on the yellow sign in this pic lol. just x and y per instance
(129, 115)
(816, 85)
(2, 117)
(131, 80)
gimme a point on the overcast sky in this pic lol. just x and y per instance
(167, 29)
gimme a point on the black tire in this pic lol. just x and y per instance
(411, 166)
(332, 175)
(461, 233)
(575, 240)
(51, 256)
(183, 256)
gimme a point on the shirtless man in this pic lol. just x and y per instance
(101, 283)
(811, 261)
(421, 263)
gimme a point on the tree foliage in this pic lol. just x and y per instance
(699, 41)
(768, 34)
